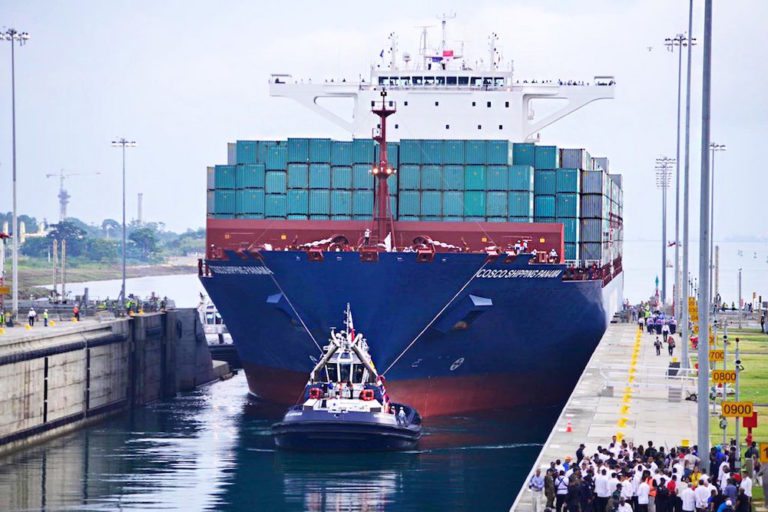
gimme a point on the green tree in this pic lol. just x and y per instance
(111, 228)
(102, 250)
(37, 247)
(73, 234)
(145, 239)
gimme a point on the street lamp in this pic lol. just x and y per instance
(14, 36)
(679, 41)
(663, 177)
(713, 147)
(123, 143)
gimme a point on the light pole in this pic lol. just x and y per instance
(663, 177)
(679, 41)
(14, 36)
(123, 143)
(713, 147)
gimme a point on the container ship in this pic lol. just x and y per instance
(479, 260)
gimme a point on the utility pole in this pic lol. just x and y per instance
(663, 178)
(14, 36)
(123, 143)
(738, 368)
(717, 277)
(63, 269)
(55, 263)
(740, 306)
(703, 355)
(713, 148)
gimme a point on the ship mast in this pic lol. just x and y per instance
(382, 215)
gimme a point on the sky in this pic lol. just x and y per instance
(183, 78)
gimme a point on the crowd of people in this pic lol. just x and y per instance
(645, 478)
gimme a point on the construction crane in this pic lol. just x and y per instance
(63, 194)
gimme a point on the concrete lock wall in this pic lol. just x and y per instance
(52, 382)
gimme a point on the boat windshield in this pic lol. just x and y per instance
(333, 372)
(344, 372)
(357, 373)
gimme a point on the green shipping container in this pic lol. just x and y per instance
(298, 202)
(453, 203)
(410, 152)
(496, 204)
(363, 151)
(431, 203)
(298, 150)
(319, 202)
(474, 204)
(543, 206)
(225, 176)
(497, 152)
(408, 202)
(570, 251)
(319, 176)
(341, 178)
(410, 177)
(567, 205)
(545, 182)
(362, 202)
(475, 152)
(362, 179)
(521, 178)
(277, 157)
(523, 220)
(520, 204)
(250, 201)
(275, 206)
(298, 175)
(432, 152)
(250, 176)
(275, 182)
(246, 151)
(546, 157)
(453, 152)
(568, 180)
(431, 177)
(474, 177)
(320, 151)
(262, 150)
(341, 202)
(570, 229)
(225, 202)
(497, 177)
(341, 152)
(453, 177)
(524, 153)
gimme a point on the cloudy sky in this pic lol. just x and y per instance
(183, 78)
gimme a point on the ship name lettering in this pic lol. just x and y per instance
(242, 270)
(517, 274)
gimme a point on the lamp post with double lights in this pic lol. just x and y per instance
(663, 178)
(713, 147)
(123, 143)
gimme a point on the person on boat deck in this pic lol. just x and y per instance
(401, 419)
(350, 391)
(553, 255)
(330, 390)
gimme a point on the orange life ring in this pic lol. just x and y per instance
(315, 393)
(366, 394)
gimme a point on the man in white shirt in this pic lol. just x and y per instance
(624, 505)
(601, 489)
(612, 483)
(702, 494)
(746, 484)
(643, 496)
(689, 500)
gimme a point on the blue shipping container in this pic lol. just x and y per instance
(320, 151)
(319, 217)
(431, 203)
(298, 150)
(341, 202)
(547, 157)
(570, 229)
(363, 151)
(545, 182)
(262, 150)
(410, 152)
(475, 152)
(432, 152)
(520, 204)
(362, 179)
(453, 152)
(474, 204)
(591, 206)
(497, 177)
(409, 218)
(497, 152)
(294, 216)
(568, 180)
(250, 176)
(497, 219)
(593, 182)
(225, 176)
(453, 177)
(341, 152)
(275, 206)
(475, 218)
(245, 151)
(453, 219)
(275, 182)
(341, 178)
(543, 206)
(298, 202)
(496, 204)
(545, 220)
(567, 205)
(570, 250)
(431, 177)
(319, 176)
(225, 202)
(410, 177)
(408, 202)
(393, 154)
(453, 203)
(250, 201)
(524, 153)
(362, 202)
(523, 220)
(277, 157)
(298, 175)
(319, 202)
(474, 177)
(521, 178)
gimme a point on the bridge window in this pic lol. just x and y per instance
(451, 80)
(418, 80)
(373, 103)
(477, 81)
(499, 82)
(429, 80)
(382, 80)
(333, 372)
(393, 81)
(405, 81)
(437, 103)
(506, 104)
(447, 127)
(357, 373)
(344, 372)
(405, 103)
(463, 80)
(479, 127)
(474, 104)
(487, 81)
(501, 127)
(488, 104)
(397, 126)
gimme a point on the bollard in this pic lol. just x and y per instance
(2, 330)
(52, 323)
(28, 327)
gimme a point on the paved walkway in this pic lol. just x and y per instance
(639, 408)
(23, 333)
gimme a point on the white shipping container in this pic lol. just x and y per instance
(231, 153)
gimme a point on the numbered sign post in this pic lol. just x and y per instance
(723, 376)
(716, 356)
(737, 409)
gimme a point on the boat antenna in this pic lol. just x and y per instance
(382, 215)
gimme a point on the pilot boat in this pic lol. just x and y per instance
(345, 405)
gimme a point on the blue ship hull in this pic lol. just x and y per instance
(453, 335)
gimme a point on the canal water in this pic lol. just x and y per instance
(211, 449)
